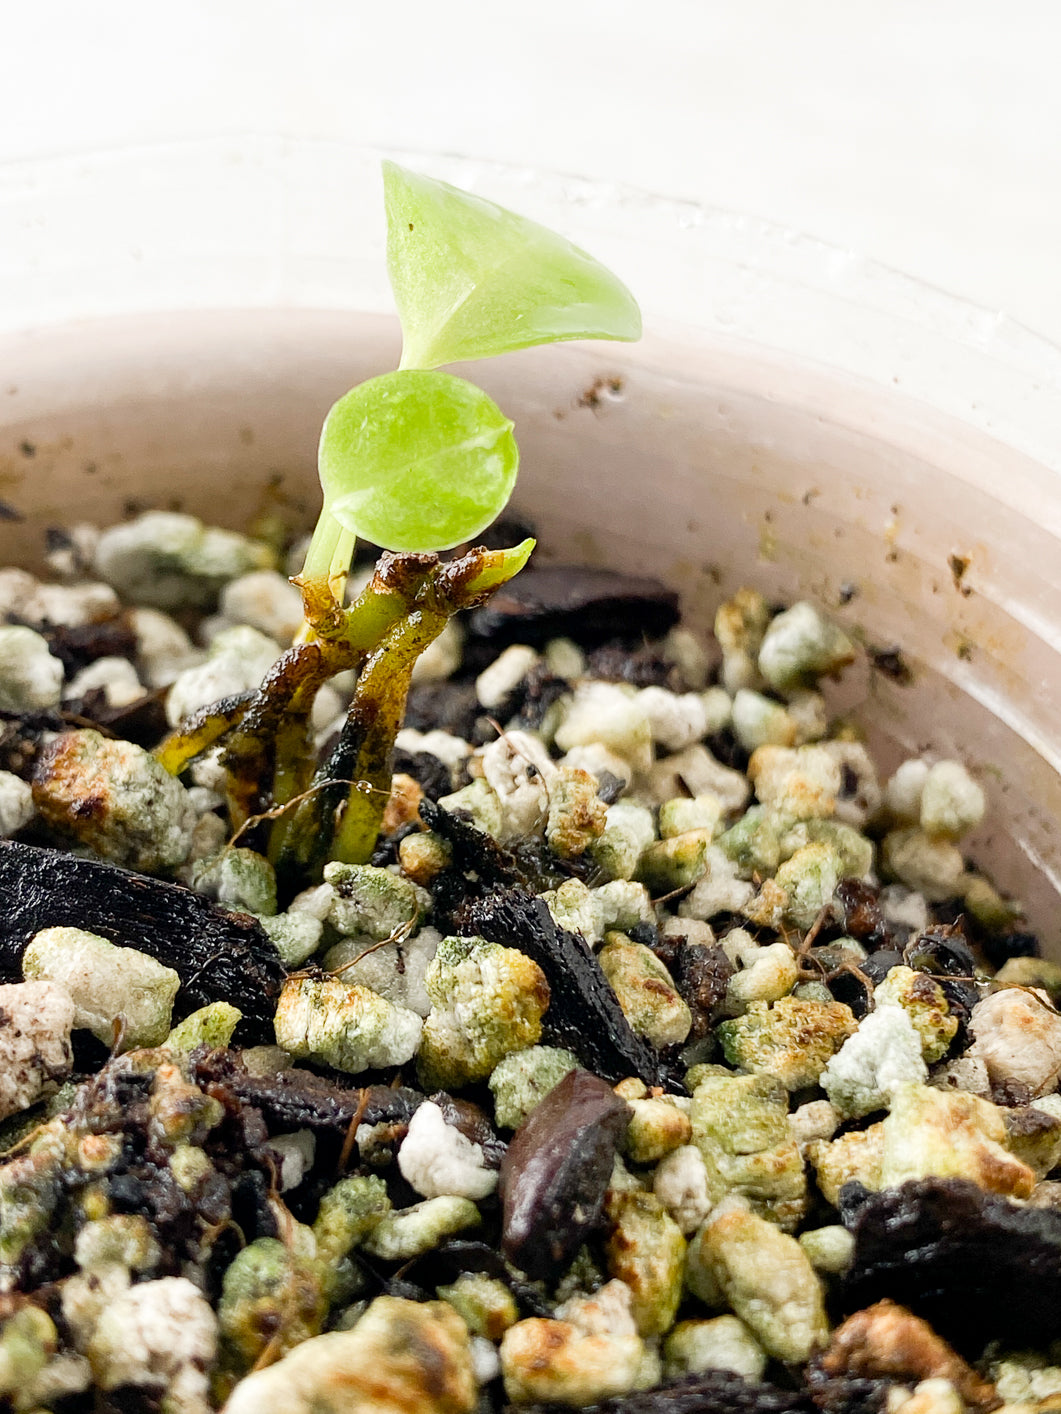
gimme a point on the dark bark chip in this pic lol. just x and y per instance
(975, 1266)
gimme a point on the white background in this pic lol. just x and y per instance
(925, 134)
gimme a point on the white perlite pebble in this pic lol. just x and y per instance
(1018, 1037)
(680, 1184)
(30, 678)
(486, 1363)
(265, 600)
(159, 1335)
(612, 715)
(348, 1027)
(904, 907)
(598, 761)
(438, 1160)
(116, 676)
(902, 794)
(15, 588)
(884, 1052)
(297, 1152)
(36, 1019)
(963, 1074)
(606, 1311)
(316, 901)
(718, 709)
(676, 720)
(695, 771)
(769, 974)
(505, 673)
(69, 606)
(16, 804)
(163, 649)
(952, 803)
(517, 768)
(810, 715)
(239, 659)
(802, 782)
(105, 982)
(817, 1119)
(718, 890)
(167, 560)
(396, 970)
(860, 791)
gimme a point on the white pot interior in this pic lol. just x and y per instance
(704, 462)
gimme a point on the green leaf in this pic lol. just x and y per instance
(471, 279)
(416, 461)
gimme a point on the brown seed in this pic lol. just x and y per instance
(556, 1170)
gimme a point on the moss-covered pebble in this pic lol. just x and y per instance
(619, 905)
(399, 1356)
(486, 1000)
(829, 1249)
(949, 1134)
(345, 1026)
(211, 1025)
(484, 1304)
(646, 991)
(768, 1281)
(371, 901)
(657, 1126)
(628, 829)
(791, 1039)
(405, 1233)
(740, 1126)
(272, 1295)
(523, 1078)
(646, 1250)
(722, 1343)
(761, 721)
(296, 936)
(674, 863)
(349, 1212)
(801, 645)
(929, 864)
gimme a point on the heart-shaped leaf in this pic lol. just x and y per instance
(416, 461)
(471, 279)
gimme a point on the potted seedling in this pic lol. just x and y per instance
(416, 461)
